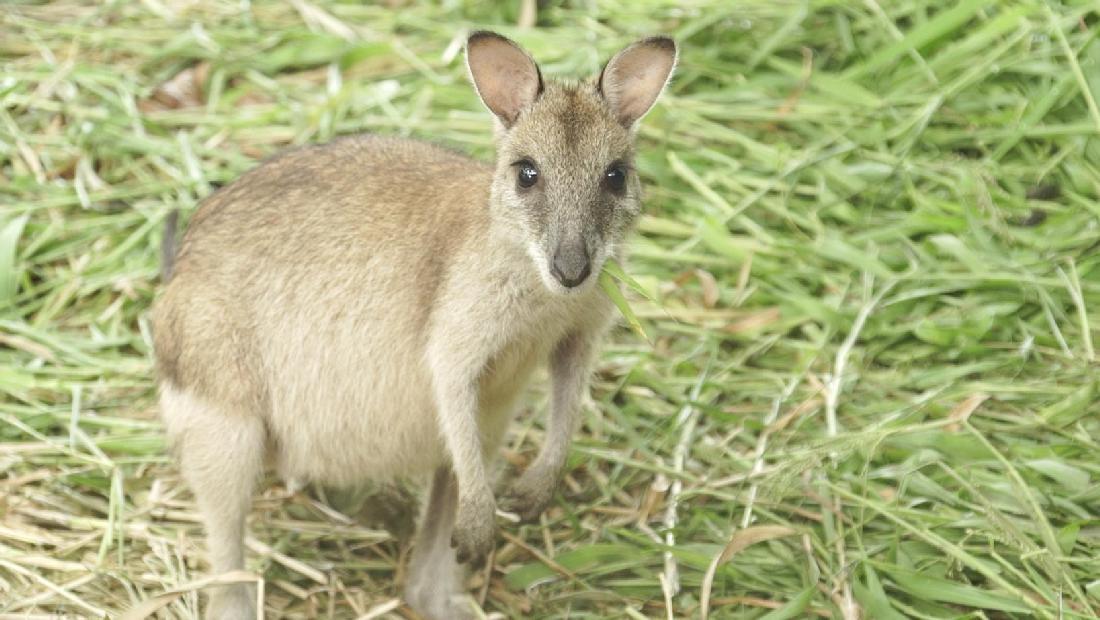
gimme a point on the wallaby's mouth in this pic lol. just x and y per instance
(572, 281)
(559, 286)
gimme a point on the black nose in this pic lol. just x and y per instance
(571, 264)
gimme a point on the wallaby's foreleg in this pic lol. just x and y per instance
(221, 458)
(456, 392)
(570, 364)
(434, 588)
(457, 357)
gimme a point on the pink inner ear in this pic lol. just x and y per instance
(505, 76)
(633, 79)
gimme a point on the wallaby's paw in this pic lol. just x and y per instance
(475, 530)
(529, 495)
(232, 603)
(527, 503)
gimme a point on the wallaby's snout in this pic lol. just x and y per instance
(571, 265)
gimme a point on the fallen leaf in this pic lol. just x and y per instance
(184, 90)
(962, 411)
(738, 542)
(710, 287)
(802, 409)
(707, 282)
(754, 321)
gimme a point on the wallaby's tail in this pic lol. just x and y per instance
(168, 245)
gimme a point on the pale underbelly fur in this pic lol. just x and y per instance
(378, 422)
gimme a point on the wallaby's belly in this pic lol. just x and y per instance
(351, 399)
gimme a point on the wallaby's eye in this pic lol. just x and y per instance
(527, 174)
(615, 177)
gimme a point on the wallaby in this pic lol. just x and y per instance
(372, 308)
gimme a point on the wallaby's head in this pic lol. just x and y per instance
(565, 183)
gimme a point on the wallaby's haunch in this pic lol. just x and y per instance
(372, 308)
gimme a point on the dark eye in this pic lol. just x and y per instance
(615, 177)
(527, 175)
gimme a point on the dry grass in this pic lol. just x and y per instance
(870, 278)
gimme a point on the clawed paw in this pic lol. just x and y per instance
(526, 504)
(475, 531)
(529, 495)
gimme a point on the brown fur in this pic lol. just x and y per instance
(373, 307)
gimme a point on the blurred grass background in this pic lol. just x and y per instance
(871, 289)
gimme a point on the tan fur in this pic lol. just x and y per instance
(373, 308)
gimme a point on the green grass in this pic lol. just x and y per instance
(872, 290)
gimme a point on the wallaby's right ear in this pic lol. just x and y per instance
(506, 77)
(635, 77)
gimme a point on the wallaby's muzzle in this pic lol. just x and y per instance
(571, 265)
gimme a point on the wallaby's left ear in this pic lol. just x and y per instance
(634, 78)
(505, 77)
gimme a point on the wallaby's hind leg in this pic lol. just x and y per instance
(221, 458)
(435, 588)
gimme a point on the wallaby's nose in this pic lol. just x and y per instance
(571, 265)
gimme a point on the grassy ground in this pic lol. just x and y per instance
(872, 288)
